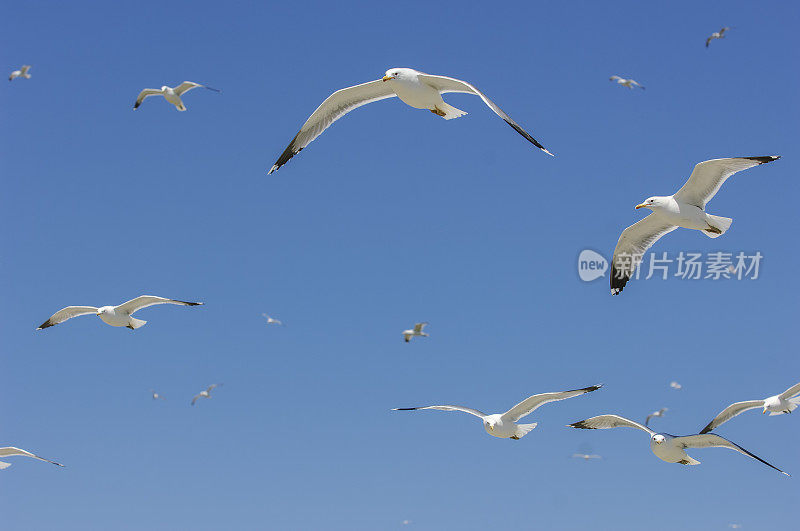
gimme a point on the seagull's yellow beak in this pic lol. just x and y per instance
(387, 78)
(491, 427)
(640, 205)
(763, 411)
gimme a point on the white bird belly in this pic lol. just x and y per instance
(668, 452)
(115, 319)
(501, 430)
(686, 216)
(417, 95)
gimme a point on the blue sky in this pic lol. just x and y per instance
(391, 217)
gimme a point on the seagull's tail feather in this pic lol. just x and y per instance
(137, 323)
(450, 111)
(719, 223)
(524, 429)
(690, 461)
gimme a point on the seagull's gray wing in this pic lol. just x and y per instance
(10, 451)
(712, 440)
(731, 411)
(605, 422)
(448, 84)
(527, 406)
(134, 305)
(471, 411)
(631, 246)
(334, 107)
(419, 326)
(145, 94)
(186, 86)
(707, 178)
(67, 313)
(792, 391)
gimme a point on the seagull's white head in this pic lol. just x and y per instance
(164, 88)
(103, 310)
(489, 424)
(658, 438)
(399, 74)
(651, 203)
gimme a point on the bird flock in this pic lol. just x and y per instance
(686, 209)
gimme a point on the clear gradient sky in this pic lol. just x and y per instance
(392, 216)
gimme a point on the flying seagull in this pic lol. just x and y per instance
(786, 402)
(416, 331)
(630, 83)
(675, 385)
(171, 94)
(686, 208)
(22, 72)
(156, 396)
(659, 413)
(9, 451)
(270, 320)
(206, 393)
(586, 457)
(669, 448)
(417, 89)
(504, 425)
(114, 315)
(716, 35)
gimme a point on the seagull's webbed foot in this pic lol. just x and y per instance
(514, 437)
(684, 461)
(438, 112)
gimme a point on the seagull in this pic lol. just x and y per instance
(675, 385)
(586, 457)
(659, 413)
(416, 89)
(114, 315)
(630, 83)
(171, 94)
(416, 331)
(270, 320)
(716, 35)
(786, 402)
(156, 396)
(22, 72)
(9, 451)
(669, 448)
(504, 425)
(686, 208)
(206, 393)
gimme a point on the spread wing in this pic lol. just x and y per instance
(196, 397)
(186, 86)
(145, 94)
(731, 411)
(605, 422)
(334, 107)
(471, 411)
(615, 78)
(712, 440)
(419, 326)
(144, 301)
(792, 391)
(67, 313)
(527, 406)
(10, 450)
(707, 178)
(631, 246)
(449, 84)
(212, 386)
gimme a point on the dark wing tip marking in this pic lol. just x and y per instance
(287, 154)
(527, 136)
(587, 389)
(617, 282)
(707, 429)
(46, 324)
(404, 408)
(581, 424)
(764, 159)
(187, 303)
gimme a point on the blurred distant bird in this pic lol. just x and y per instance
(675, 385)
(22, 72)
(659, 413)
(156, 396)
(669, 448)
(114, 315)
(504, 425)
(416, 89)
(416, 331)
(786, 402)
(586, 457)
(172, 95)
(630, 83)
(206, 393)
(9, 451)
(270, 320)
(716, 35)
(735, 526)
